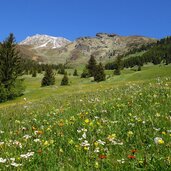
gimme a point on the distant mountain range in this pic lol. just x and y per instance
(103, 46)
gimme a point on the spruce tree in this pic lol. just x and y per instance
(75, 73)
(99, 73)
(117, 71)
(65, 80)
(49, 78)
(10, 69)
(91, 66)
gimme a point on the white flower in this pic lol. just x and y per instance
(29, 154)
(2, 160)
(101, 142)
(96, 150)
(121, 161)
(84, 135)
(85, 144)
(15, 164)
(26, 137)
(37, 140)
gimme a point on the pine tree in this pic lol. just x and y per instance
(10, 69)
(117, 71)
(91, 66)
(49, 78)
(75, 73)
(99, 73)
(65, 80)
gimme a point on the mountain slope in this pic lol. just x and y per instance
(103, 46)
(45, 41)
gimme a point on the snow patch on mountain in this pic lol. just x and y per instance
(45, 41)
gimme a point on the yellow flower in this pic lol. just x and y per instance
(164, 133)
(96, 165)
(160, 142)
(86, 148)
(86, 121)
(46, 143)
(96, 143)
(129, 133)
(71, 142)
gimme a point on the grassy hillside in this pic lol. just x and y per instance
(120, 124)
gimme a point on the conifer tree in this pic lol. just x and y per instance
(75, 73)
(65, 80)
(10, 69)
(118, 66)
(99, 73)
(49, 78)
(91, 66)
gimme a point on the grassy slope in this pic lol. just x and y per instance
(119, 115)
(35, 92)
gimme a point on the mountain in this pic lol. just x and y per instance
(45, 41)
(105, 47)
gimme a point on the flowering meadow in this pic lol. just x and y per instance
(123, 128)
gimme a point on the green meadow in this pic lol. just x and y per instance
(123, 123)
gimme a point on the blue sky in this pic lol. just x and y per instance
(75, 18)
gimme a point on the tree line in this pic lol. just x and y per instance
(156, 54)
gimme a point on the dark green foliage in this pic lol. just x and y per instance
(99, 73)
(118, 63)
(10, 69)
(91, 66)
(34, 73)
(65, 80)
(85, 73)
(75, 73)
(139, 68)
(49, 78)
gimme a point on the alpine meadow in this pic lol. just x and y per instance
(92, 103)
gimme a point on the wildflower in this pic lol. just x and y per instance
(111, 137)
(15, 164)
(2, 160)
(33, 128)
(86, 121)
(131, 157)
(85, 143)
(134, 151)
(129, 133)
(71, 142)
(26, 137)
(96, 165)
(86, 148)
(39, 132)
(37, 140)
(101, 142)
(46, 143)
(164, 133)
(121, 161)
(84, 135)
(25, 156)
(158, 140)
(97, 150)
(101, 156)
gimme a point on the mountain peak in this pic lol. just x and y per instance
(45, 41)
